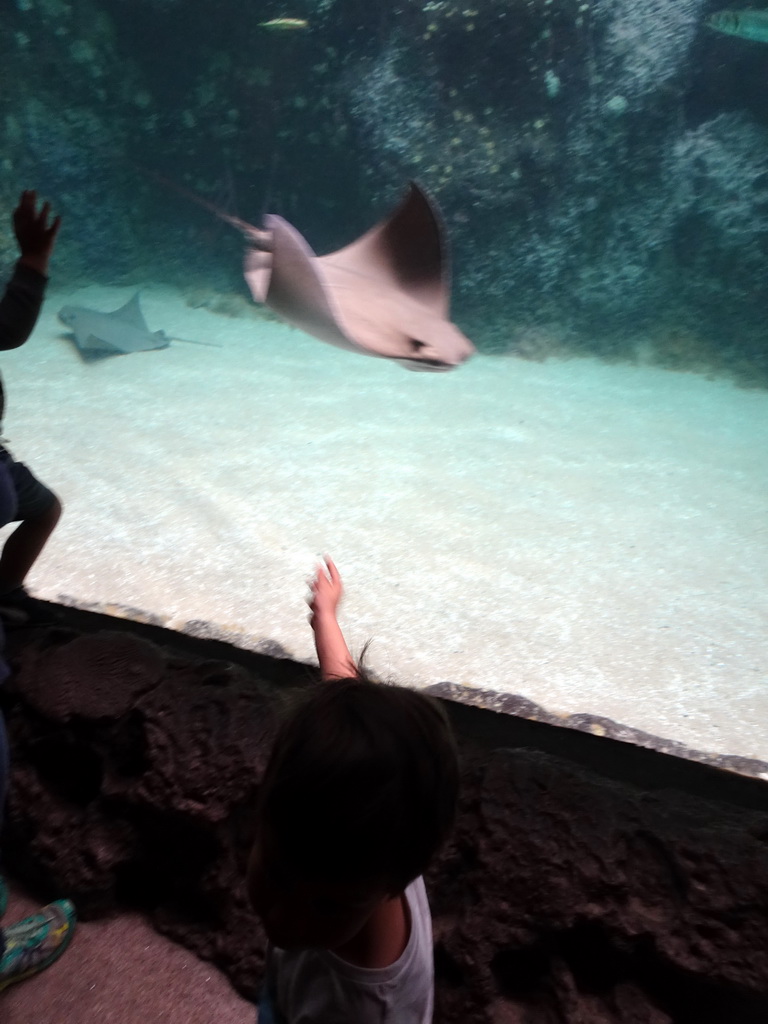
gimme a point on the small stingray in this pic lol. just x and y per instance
(386, 294)
(121, 331)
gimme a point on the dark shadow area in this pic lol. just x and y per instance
(71, 768)
(598, 966)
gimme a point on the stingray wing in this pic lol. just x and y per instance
(383, 320)
(287, 280)
(111, 341)
(406, 251)
(131, 314)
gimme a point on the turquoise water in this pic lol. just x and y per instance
(571, 531)
(578, 513)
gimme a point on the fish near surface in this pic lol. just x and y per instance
(747, 24)
(285, 24)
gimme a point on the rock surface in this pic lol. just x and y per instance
(563, 896)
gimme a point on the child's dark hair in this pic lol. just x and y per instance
(362, 784)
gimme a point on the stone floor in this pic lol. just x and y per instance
(120, 971)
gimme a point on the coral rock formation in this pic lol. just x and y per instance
(563, 896)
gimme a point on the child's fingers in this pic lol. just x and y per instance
(333, 572)
(322, 572)
(325, 581)
(318, 582)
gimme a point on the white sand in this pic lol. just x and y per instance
(593, 537)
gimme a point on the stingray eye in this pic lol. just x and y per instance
(417, 345)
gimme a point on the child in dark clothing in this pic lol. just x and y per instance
(27, 946)
(36, 506)
(359, 794)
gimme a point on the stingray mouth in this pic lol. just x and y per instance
(426, 356)
(426, 365)
(419, 362)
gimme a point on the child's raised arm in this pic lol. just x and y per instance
(332, 651)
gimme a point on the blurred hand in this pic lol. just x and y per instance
(35, 236)
(326, 589)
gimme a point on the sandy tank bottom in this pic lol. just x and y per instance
(592, 537)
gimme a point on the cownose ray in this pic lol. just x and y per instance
(121, 331)
(387, 294)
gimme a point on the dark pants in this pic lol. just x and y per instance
(22, 495)
(266, 1010)
(8, 511)
(3, 788)
(3, 766)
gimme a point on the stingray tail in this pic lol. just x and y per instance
(189, 341)
(257, 237)
(269, 185)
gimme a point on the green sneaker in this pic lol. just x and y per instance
(33, 944)
(3, 897)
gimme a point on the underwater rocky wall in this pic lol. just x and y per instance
(564, 895)
(602, 164)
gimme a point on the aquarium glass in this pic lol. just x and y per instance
(571, 523)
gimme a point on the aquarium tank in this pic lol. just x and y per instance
(568, 517)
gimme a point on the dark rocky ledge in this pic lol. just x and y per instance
(589, 880)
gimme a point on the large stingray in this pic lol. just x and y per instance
(386, 294)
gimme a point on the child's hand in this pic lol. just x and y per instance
(332, 651)
(35, 236)
(326, 589)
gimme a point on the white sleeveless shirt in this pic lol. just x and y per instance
(314, 986)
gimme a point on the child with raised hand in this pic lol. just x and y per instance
(359, 794)
(29, 945)
(35, 506)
